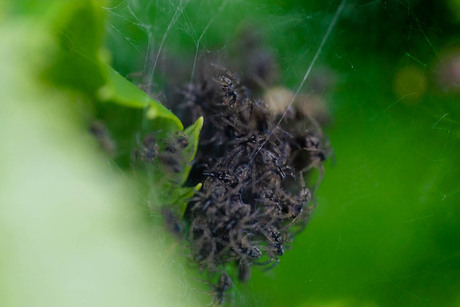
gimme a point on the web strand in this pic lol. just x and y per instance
(219, 10)
(177, 14)
(315, 57)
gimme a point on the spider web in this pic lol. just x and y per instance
(379, 196)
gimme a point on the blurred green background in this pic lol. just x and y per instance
(386, 231)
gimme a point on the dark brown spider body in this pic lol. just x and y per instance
(244, 270)
(223, 285)
(149, 148)
(173, 223)
(102, 135)
(171, 161)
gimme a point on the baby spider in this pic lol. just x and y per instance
(149, 148)
(244, 270)
(222, 286)
(173, 223)
(102, 135)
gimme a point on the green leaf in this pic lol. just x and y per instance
(121, 91)
(193, 132)
(81, 64)
(169, 184)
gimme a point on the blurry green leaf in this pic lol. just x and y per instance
(72, 230)
(455, 7)
(80, 62)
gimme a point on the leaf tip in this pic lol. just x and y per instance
(105, 93)
(199, 123)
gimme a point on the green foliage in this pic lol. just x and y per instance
(72, 230)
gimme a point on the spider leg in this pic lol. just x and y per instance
(275, 263)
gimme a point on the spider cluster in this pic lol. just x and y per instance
(252, 170)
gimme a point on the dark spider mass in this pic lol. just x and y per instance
(251, 165)
(252, 170)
